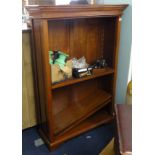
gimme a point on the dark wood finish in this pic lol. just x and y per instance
(99, 118)
(115, 57)
(75, 11)
(84, 37)
(78, 111)
(38, 72)
(100, 73)
(71, 107)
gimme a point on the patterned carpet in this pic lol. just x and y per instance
(89, 143)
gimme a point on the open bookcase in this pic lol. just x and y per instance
(69, 108)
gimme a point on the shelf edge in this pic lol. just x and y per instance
(79, 80)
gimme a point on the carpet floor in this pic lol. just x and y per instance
(89, 143)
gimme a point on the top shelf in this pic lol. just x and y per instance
(96, 74)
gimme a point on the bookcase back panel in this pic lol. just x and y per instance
(92, 38)
(106, 83)
(59, 35)
(85, 39)
(61, 99)
(77, 102)
(109, 51)
(84, 90)
(65, 96)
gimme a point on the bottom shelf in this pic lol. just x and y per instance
(79, 111)
(99, 118)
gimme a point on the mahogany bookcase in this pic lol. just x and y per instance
(74, 106)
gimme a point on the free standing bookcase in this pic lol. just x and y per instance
(74, 106)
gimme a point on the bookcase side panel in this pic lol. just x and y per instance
(47, 76)
(116, 52)
(39, 72)
(41, 54)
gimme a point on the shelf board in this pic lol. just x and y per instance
(101, 73)
(99, 118)
(76, 112)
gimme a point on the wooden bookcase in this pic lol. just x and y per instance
(74, 106)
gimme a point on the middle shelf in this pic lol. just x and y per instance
(100, 73)
(76, 112)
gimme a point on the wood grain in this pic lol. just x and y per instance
(38, 75)
(78, 111)
(75, 11)
(104, 72)
(67, 108)
(96, 120)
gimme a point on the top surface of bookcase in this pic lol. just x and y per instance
(74, 11)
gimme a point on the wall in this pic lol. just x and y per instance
(125, 49)
(28, 100)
